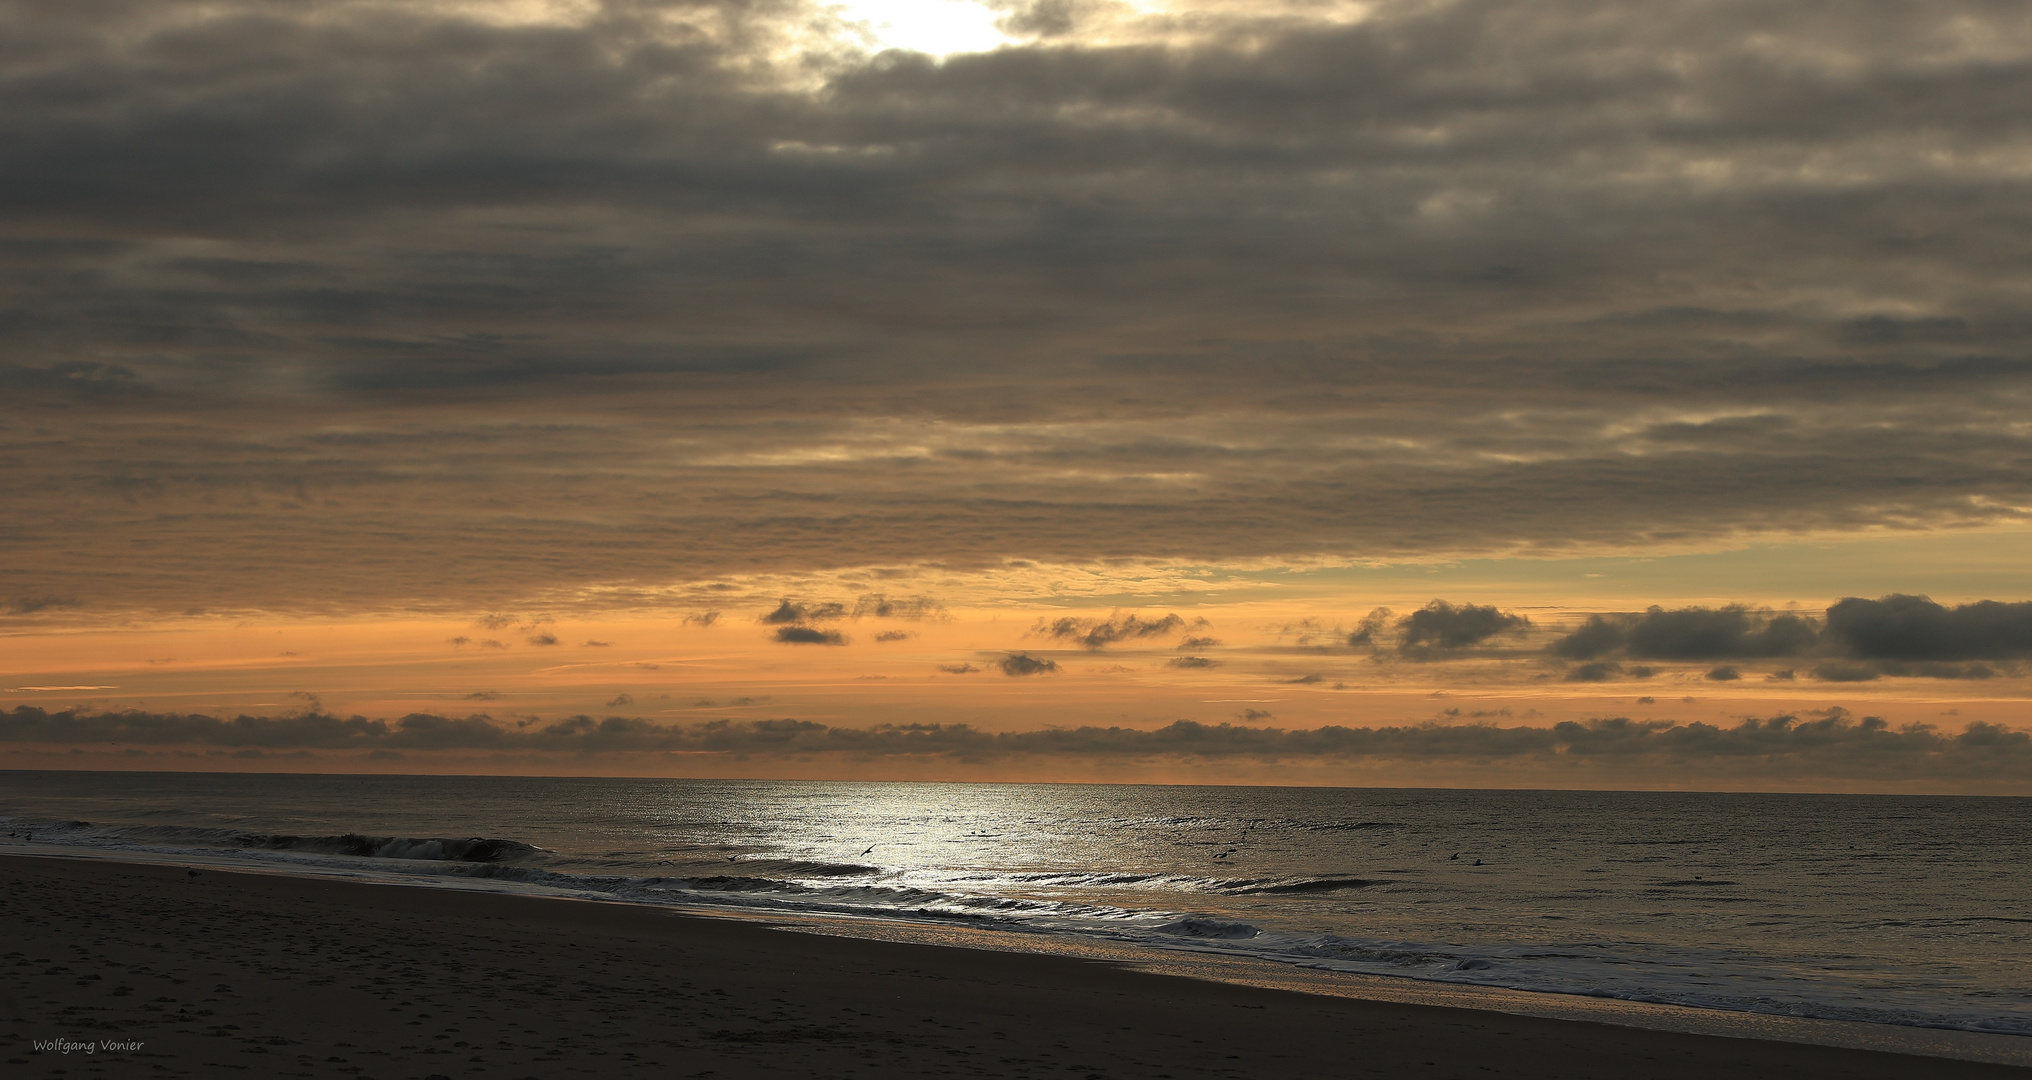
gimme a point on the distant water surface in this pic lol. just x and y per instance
(1883, 909)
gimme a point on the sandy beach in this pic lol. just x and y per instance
(264, 975)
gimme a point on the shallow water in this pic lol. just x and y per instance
(1883, 909)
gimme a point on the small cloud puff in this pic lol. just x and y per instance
(808, 635)
(1099, 634)
(877, 606)
(1025, 664)
(1443, 627)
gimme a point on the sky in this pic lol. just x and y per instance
(1471, 393)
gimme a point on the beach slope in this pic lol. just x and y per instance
(229, 974)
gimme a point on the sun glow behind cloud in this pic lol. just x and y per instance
(937, 27)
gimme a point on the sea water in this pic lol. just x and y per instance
(1889, 910)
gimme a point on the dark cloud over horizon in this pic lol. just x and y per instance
(1829, 744)
(442, 309)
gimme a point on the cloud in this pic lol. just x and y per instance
(1372, 624)
(793, 612)
(815, 255)
(1725, 673)
(705, 618)
(29, 605)
(1026, 664)
(1444, 627)
(1308, 633)
(807, 635)
(894, 635)
(621, 701)
(878, 606)
(1194, 644)
(1598, 671)
(1831, 744)
(1862, 640)
(1900, 627)
(1692, 633)
(1837, 671)
(543, 639)
(1191, 662)
(1100, 633)
(591, 644)
(958, 669)
(1251, 716)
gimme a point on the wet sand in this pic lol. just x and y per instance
(260, 975)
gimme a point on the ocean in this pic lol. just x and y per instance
(1909, 911)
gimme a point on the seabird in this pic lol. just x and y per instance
(1453, 856)
(189, 873)
(871, 847)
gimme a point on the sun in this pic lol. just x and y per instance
(938, 27)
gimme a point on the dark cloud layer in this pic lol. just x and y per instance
(440, 309)
(1832, 744)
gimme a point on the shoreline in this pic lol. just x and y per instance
(566, 988)
(1202, 962)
